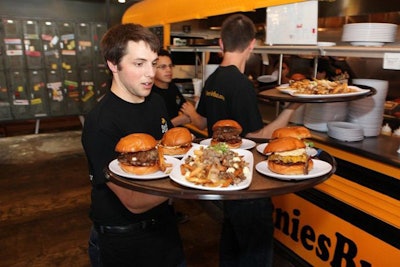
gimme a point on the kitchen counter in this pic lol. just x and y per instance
(381, 148)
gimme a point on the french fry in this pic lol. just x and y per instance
(162, 163)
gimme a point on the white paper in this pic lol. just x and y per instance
(391, 61)
(293, 24)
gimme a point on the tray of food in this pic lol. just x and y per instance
(317, 91)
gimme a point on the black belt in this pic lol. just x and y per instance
(122, 229)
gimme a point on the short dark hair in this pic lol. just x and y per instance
(164, 52)
(237, 32)
(115, 40)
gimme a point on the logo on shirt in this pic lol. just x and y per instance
(164, 125)
(215, 95)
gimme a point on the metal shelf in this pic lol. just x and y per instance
(343, 51)
(305, 50)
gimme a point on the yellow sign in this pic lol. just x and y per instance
(323, 239)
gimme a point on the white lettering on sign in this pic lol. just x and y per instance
(343, 249)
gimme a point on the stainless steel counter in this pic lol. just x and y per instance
(381, 148)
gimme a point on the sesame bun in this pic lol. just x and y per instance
(176, 141)
(299, 132)
(136, 142)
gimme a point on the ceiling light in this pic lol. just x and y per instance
(121, 1)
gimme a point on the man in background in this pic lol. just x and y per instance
(164, 86)
(247, 231)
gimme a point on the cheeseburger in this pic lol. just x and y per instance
(139, 154)
(288, 156)
(227, 131)
(176, 141)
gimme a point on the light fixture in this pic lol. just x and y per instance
(121, 1)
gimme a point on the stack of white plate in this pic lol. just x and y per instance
(369, 34)
(368, 112)
(345, 131)
(316, 116)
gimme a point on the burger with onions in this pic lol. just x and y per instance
(227, 131)
(138, 154)
(287, 156)
(176, 141)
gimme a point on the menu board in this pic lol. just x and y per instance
(292, 24)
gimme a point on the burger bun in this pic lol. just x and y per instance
(298, 77)
(136, 142)
(295, 169)
(227, 123)
(176, 141)
(283, 144)
(299, 132)
(139, 170)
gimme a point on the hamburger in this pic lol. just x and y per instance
(227, 131)
(299, 132)
(288, 156)
(176, 141)
(138, 154)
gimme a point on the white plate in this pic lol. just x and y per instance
(361, 43)
(267, 79)
(176, 175)
(320, 168)
(246, 143)
(312, 152)
(326, 44)
(285, 88)
(358, 91)
(115, 168)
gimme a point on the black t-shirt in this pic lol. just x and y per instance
(172, 97)
(228, 94)
(110, 120)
